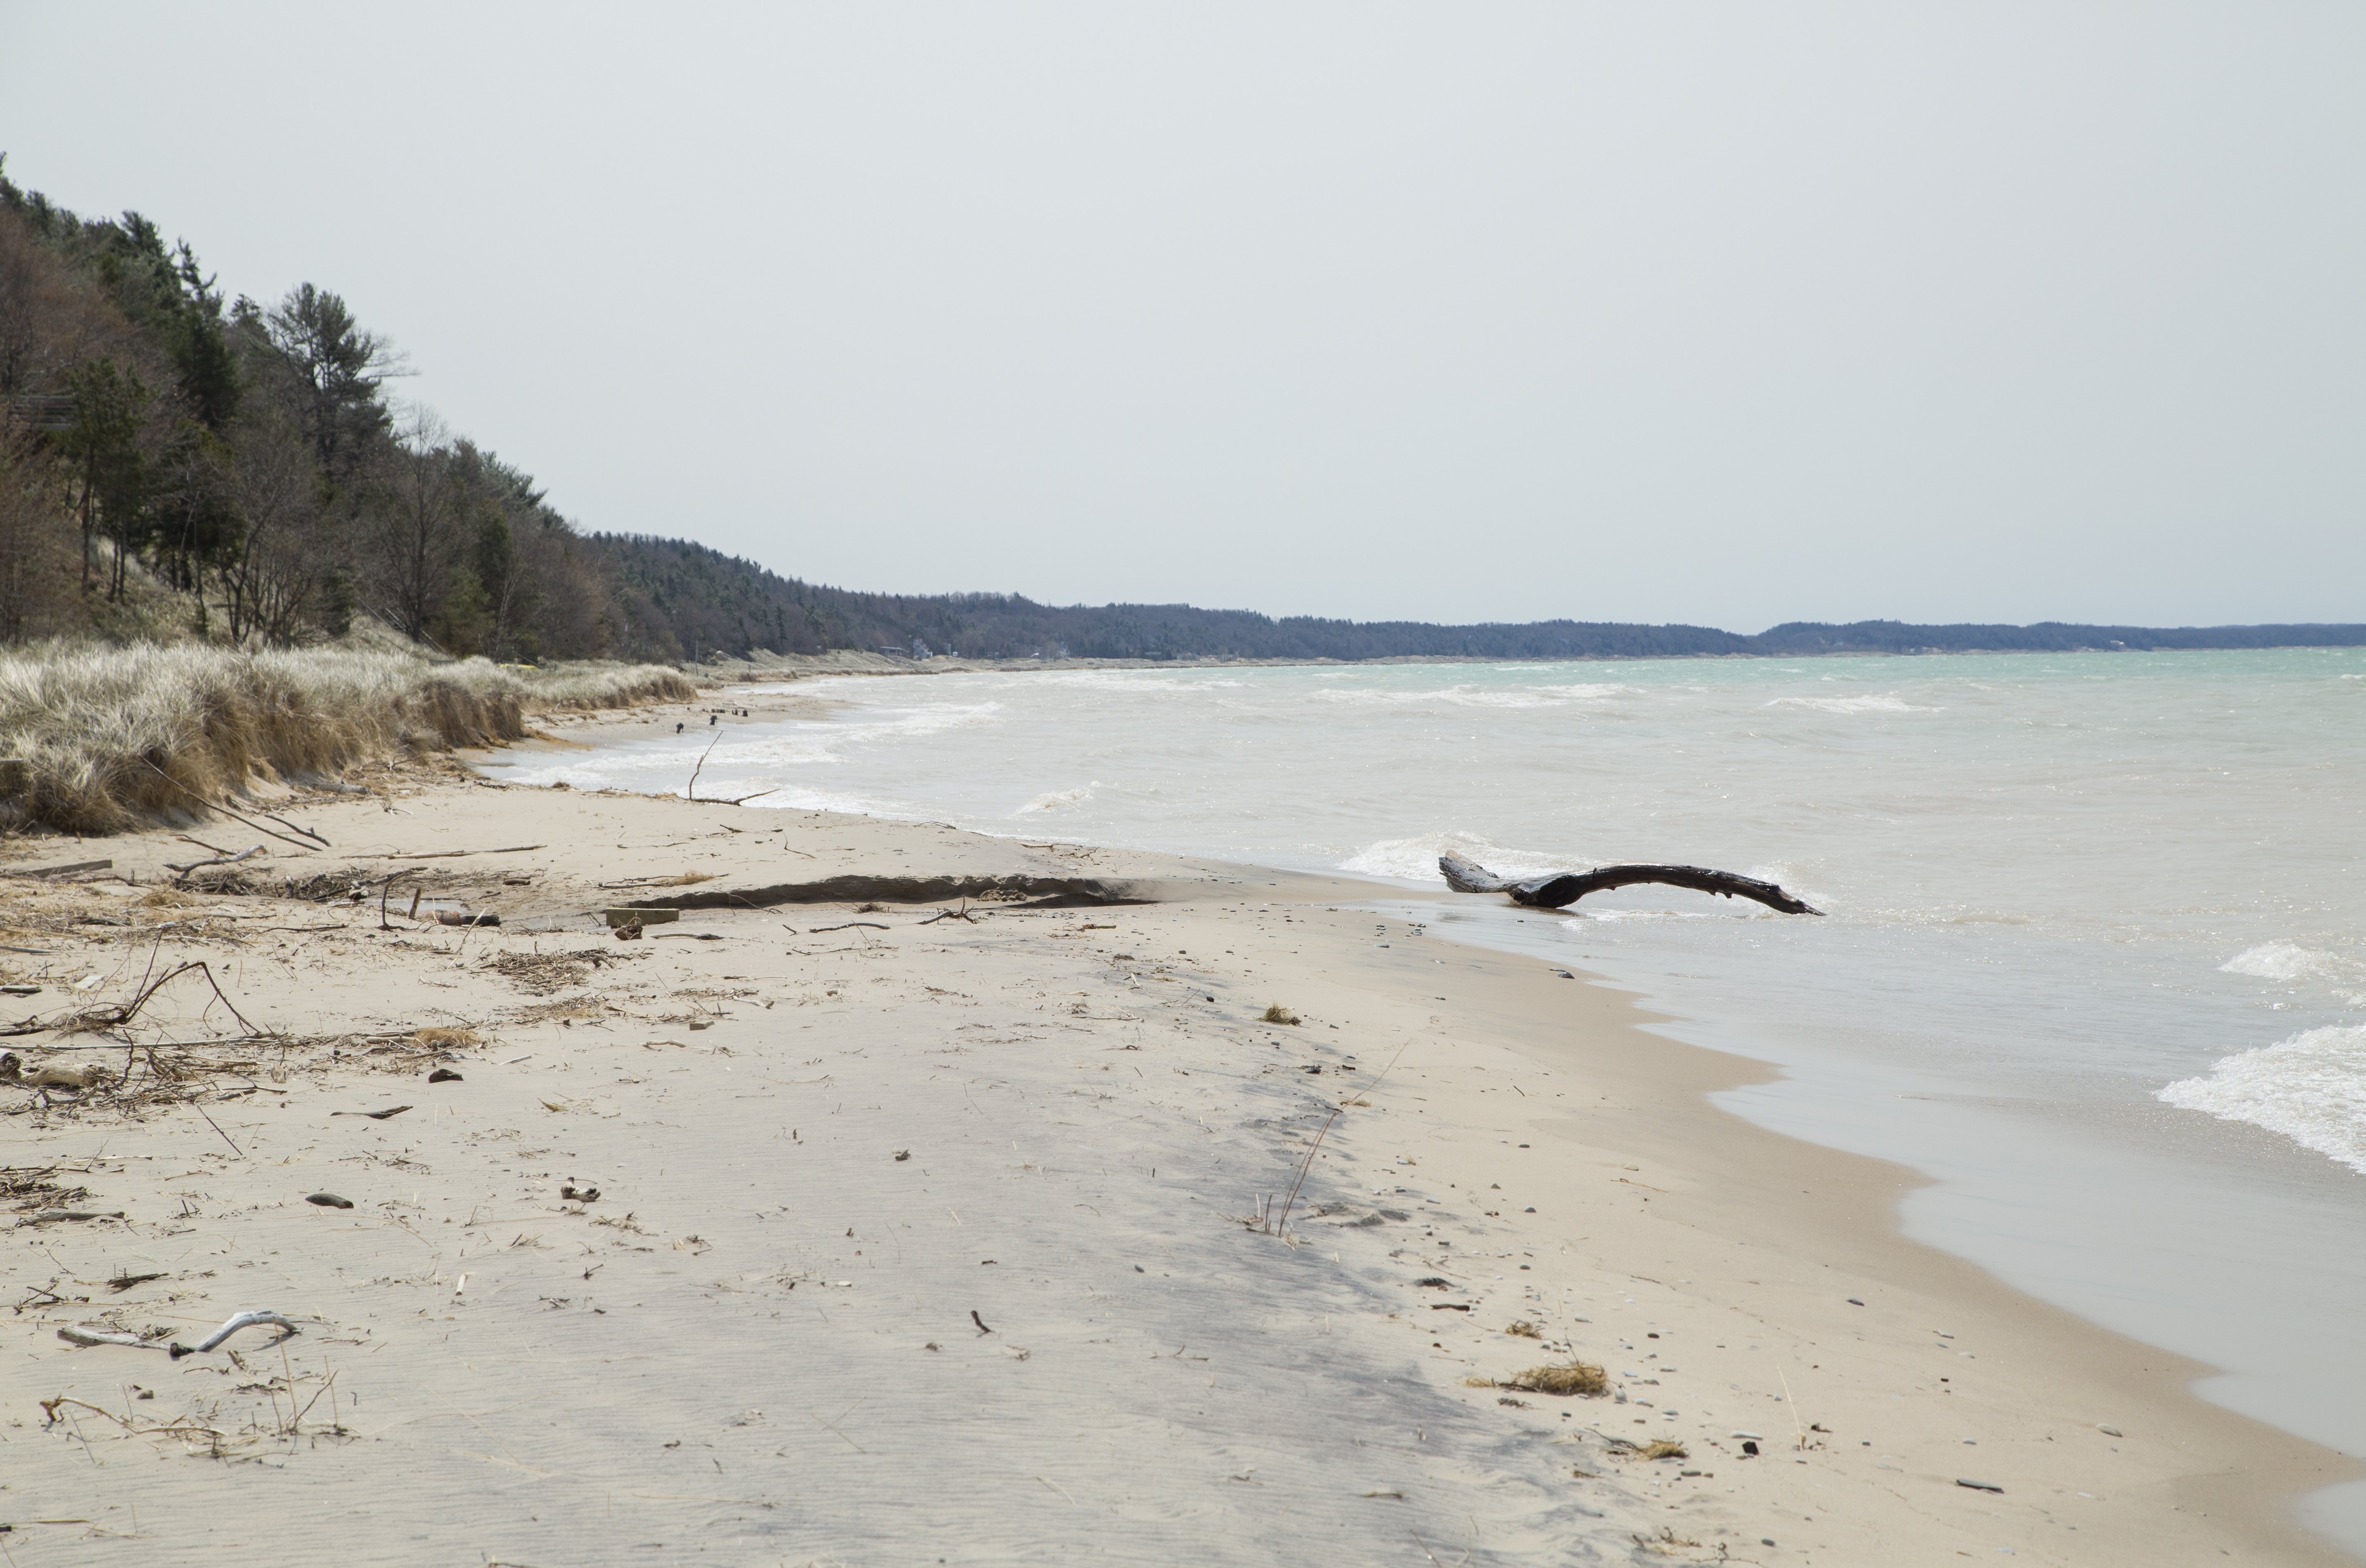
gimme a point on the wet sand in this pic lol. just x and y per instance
(940, 1238)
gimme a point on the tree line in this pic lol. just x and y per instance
(173, 463)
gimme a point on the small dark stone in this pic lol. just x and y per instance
(330, 1201)
(443, 1075)
(1751, 1450)
(1853, 1301)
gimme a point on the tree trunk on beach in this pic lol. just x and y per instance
(1564, 887)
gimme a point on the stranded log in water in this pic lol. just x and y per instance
(1564, 887)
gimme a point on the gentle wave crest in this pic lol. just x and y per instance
(2281, 962)
(2311, 1089)
(1885, 704)
(1477, 696)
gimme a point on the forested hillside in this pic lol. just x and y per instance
(174, 465)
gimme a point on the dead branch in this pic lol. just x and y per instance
(216, 806)
(219, 860)
(1562, 888)
(117, 1016)
(455, 853)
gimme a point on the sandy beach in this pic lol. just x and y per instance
(921, 1197)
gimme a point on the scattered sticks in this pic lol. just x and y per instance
(214, 806)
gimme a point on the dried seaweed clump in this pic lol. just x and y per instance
(446, 1039)
(1569, 1377)
(1666, 1450)
(1277, 1014)
(1524, 1329)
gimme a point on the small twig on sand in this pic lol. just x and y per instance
(382, 891)
(217, 1126)
(1281, 1223)
(974, 1318)
(1794, 1404)
(850, 925)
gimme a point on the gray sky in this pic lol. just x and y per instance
(1730, 313)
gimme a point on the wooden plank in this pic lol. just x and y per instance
(59, 870)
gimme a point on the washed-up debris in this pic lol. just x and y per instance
(903, 1154)
(374, 1115)
(1978, 1485)
(329, 1201)
(52, 1216)
(620, 918)
(20, 991)
(443, 1075)
(73, 869)
(93, 1337)
(51, 1075)
(1434, 1283)
(249, 1319)
(1666, 1450)
(125, 1281)
(579, 1194)
(2109, 1431)
(1564, 1378)
(462, 918)
(1277, 1014)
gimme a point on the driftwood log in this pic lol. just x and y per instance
(1564, 887)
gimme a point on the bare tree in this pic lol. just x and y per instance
(272, 581)
(413, 531)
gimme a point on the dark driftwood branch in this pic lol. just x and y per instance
(1564, 887)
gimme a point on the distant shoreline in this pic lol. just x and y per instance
(764, 664)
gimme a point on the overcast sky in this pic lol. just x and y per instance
(1730, 313)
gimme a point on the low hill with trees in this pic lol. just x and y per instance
(176, 465)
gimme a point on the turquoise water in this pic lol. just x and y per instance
(2096, 951)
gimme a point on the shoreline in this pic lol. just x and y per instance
(1646, 1191)
(763, 666)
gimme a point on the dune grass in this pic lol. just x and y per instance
(101, 740)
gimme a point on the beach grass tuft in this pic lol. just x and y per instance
(99, 740)
(1524, 1329)
(1666, 1450)
(1277, 1014)
(443, 1038)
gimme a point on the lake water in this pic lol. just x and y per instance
(2094, 957)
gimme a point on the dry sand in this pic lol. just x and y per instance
(936, 1239)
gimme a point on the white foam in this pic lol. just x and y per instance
(2280, 961)
(1055, 800)
(1479, 695)
(1890, 703)
(1415, 859)
(2311, 1089)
